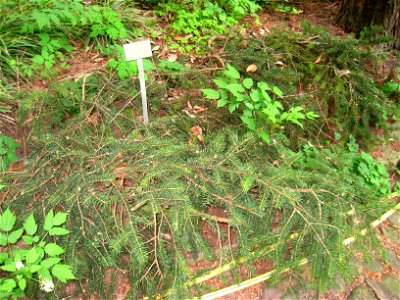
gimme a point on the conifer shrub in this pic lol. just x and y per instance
(329, 75)
(138, 201)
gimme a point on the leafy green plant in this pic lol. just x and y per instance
(45, 27)
(260, 109)
(344, 160)
(392, 86)
(51, 49)
(166, 66)
(375, 175)
(199, 20)
(286, 9)
(8, 152)
(31, 258)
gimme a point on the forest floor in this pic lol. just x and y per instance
(378, 279)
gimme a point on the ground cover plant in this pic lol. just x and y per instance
(263, 158)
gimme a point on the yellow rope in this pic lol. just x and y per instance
(253, 281)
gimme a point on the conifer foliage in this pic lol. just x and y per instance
(140, 202)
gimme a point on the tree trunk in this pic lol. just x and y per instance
(354, 15)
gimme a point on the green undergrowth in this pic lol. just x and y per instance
(197, 21)
(137, 197)
(36, 36)
(331, 75)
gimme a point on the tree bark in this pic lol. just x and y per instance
(354, 15)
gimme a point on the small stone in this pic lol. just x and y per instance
(391, 286)
(395, 219)
(361, 292)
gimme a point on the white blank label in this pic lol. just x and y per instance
(137, 50)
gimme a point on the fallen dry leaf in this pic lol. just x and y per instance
(199, 109)
(172, 57)
(198, 133)
(342, 73)
(318, 60)
(251, 68)
(192, 110)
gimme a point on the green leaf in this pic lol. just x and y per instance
(277, 91)
(53, 249)
(7, 220)
(49, 221)
(34, 268)
(22, 284)
(211, 94)
(3, 257)
(264, 136)
(42, 19)
(38, 60)
(390, 87)
(58, 231)
(44, 37)
(249, 105)
(250, 122)
(44, 273)
(248, 83)
(255, 95)
(55, 19)
(48, 64)
(221, 83)
(62, 273)
(27, 239)
(9, 267)
(34, 255)
(235, 88)
(267, 99)
(3, 239)
(311, 115)
(8, 285)
(263, 86)
(30, 225)
(231, 72)
(14, 236)
(48, 263)
(221, 103)
(232, 107)
(60, 218)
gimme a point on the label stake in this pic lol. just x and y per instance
(137, 51)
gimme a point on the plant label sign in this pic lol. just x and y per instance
(138, 51)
